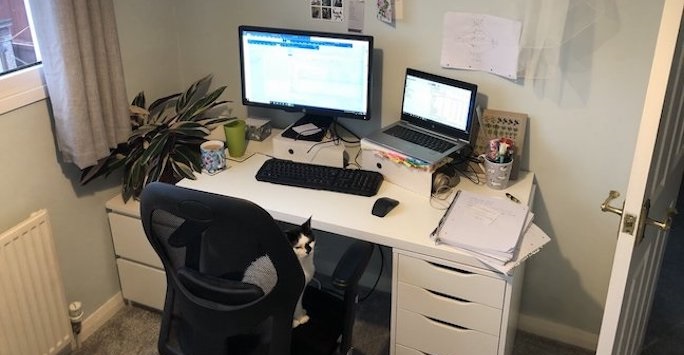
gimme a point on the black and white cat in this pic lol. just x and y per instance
(303, 242)
(262, 272)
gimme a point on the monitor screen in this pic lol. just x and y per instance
(324, 74)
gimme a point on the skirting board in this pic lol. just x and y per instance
(558, 332)
(100, 316)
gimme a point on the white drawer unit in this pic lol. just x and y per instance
(142, 284)
(141, 273)
(453, 281)
(433, 336)
(127, 233)
(440, 307)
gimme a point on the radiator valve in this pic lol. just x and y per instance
(76, 316)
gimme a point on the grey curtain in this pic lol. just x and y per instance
(84, 75)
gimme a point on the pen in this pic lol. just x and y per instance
(513, 198)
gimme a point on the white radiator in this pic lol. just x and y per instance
(33, 309)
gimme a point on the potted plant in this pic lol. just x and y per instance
(165, 138)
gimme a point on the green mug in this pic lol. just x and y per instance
(235, 137)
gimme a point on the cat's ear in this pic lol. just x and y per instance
(306, 227)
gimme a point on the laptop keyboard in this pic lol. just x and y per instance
(422, 139)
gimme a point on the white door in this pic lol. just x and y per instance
(655, 178)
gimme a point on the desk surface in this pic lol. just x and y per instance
(407, 227)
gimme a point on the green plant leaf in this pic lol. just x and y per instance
(200, 106)
(139, 100)
(190, 156)
(186, 99)
(212, 122)
(182, 169)
(155, 148)
(197, 131)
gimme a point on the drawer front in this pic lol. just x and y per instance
(452, 282)
(142, 284)
(402, 350)
(130, 241)
(466, 314)
(423, 334)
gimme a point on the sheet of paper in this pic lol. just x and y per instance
(481, 42)
(306, 129)
(484, 223)
(385, 11)
(356, 15)
(532, 241)
(398, 9)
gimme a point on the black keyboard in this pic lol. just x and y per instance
(319, 177)
(422, 139)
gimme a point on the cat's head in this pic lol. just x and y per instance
(302, 239)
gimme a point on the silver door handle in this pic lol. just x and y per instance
(606, 207)
(671, 212)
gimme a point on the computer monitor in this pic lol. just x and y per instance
(324, 75)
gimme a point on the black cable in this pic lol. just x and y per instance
(472, 177)
(336, 124)
(333, 140)
(382, 264)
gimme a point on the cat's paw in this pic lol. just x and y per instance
(299, 321)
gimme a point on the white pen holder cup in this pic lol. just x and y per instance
(213, 156)
(497, 174)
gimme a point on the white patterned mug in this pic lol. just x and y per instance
(213, 156)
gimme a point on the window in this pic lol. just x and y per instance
(21, 80)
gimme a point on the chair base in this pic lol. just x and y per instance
(321, 333)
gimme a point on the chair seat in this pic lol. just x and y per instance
(319, 335)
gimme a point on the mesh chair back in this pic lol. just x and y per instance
(205, 242)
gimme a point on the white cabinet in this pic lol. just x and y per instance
(141, 273)
(441, 307)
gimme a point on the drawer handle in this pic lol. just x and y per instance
(450, 268)
(446, 323)
(447, 296)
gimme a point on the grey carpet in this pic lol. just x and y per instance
(134, 331)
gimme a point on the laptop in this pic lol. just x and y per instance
(437, 116)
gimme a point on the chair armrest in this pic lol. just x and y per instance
(352, 264)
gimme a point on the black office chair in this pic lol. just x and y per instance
(206, 242)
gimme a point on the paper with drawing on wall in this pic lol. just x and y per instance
(481, 42)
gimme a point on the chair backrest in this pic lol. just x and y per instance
(206, 242)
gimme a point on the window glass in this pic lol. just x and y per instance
(18, 47)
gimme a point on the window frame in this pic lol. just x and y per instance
(25, 86)
(21, 88)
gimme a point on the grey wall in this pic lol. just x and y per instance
(34, 175)
(581, 135)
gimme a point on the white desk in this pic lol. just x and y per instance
(433, 287)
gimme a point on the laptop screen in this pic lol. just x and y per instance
(439, 104)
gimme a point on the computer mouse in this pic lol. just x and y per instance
(383, 206)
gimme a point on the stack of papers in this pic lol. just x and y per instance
(497, 231)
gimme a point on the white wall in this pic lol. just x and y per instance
(581, 134)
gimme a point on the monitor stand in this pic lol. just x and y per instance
(321, 123)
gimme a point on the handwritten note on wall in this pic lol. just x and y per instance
(481, 42)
